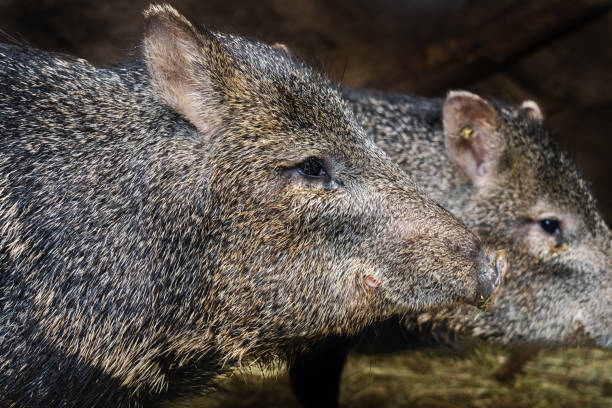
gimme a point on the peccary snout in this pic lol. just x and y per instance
(493, 266)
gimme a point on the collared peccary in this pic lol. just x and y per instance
(211, 203)
(495, 166)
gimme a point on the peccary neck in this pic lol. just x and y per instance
(409, 129)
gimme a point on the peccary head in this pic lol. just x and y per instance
(308, 227)
(518, 188)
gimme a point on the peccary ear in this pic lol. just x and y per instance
(472, 136)
(281, 46)
(531, 110)
(183, 60)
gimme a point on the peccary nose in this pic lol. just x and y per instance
(493, 267)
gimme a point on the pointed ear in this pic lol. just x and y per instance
(182, 61)
(531, 110)
(472, 135)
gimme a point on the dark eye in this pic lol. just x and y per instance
(312, 168)
(551, 226)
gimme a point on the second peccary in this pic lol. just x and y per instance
(211, 203)
(494, 166)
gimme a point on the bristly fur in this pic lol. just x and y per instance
(156, 228)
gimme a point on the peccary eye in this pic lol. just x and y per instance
(312, 168)
(551, 226)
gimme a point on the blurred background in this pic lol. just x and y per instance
(556, 52)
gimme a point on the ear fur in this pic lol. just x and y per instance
(182, 62)
(472, 135)
(532, 111)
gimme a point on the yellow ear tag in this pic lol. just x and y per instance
(466, 133)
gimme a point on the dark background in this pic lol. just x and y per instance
(557, 52)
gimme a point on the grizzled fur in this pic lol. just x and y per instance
(158, 220)
(495, 167)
